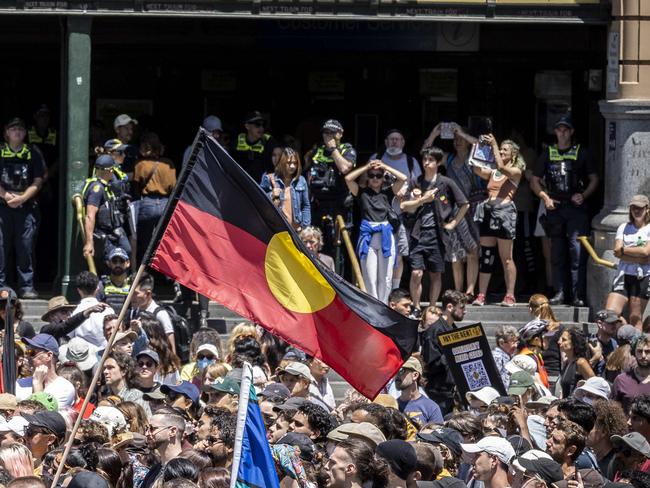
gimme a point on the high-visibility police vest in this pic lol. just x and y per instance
(16, 174)
(258, 147)
(563, 177)
(108, 217)
(50, 138)
(114, 295)
(324, 175)
(320, 156)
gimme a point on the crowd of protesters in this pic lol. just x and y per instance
(576, 413)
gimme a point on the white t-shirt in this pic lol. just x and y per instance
(91, 329)
(60, 388)
(163, 316)
(633, 237)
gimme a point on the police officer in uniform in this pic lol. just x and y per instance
(253, 149)
(570, 178)
(43, 136)
(327, 164)
(104, 221)
(22, 171)
(115, 286)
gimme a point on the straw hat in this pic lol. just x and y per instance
(55, 304)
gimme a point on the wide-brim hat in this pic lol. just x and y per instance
(56, 304)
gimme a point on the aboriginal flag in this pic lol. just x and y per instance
(224, 239)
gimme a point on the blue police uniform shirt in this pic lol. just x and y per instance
(96, 194)
(423, 410)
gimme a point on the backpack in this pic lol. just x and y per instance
(182, 332)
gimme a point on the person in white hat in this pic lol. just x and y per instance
(491, 458)
(592, 389)
(479, 400)
(80, 352)
(124, 126)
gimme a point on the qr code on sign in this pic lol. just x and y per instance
(476, 375)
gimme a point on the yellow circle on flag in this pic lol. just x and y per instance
(293, 279)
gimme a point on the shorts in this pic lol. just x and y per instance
(402, 241)
(486, 231)
(631, 286)
(425, 252)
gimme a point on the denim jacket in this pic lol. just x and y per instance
(300, 206)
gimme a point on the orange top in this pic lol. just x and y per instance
(500, 186)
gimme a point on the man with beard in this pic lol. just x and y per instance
(564, 444)
(440, 383)
(164, 434)
(636, 382)
(413, 403)
(115, 287)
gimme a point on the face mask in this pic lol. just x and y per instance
(204, 363)
(393, 151)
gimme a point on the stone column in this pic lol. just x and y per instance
(75, 105)
(627, 133)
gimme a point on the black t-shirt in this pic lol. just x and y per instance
(564, 178)
(374, 205)
(448, 198)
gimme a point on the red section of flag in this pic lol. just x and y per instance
(226, 263)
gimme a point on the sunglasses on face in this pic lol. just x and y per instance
(203, 356)
(377, 176)
(146, 364)
(32, 353)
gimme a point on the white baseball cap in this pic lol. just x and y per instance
(487, 395)
(123, 119)
(16, 424)
(211, 348)
(594, 385)
(495, 446)
(109, 417)
(298, 369)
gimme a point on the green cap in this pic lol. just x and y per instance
(520, 382)
(45, 399)
(226, 385)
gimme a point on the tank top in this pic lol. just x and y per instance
(500, 186)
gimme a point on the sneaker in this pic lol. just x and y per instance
(479, 301)
(28, 294)
(557, 299)
(508, 301)
(416, 314)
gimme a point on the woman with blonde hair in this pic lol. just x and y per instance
(498, 216)
(242, 329)
(17, 460)
(631, 286)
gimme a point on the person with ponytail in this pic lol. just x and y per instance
(354, 464)
(498, 216)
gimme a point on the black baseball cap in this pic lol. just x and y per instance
(564, 120)
(276, 390)
(400, 456)
(52, 421)
(445, 435)
(301, 441)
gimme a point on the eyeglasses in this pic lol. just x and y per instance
(377, 176)
(154, 429)
(203, 356)
(32, 353)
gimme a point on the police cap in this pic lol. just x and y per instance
(254, 116)
(16, 122)
(104, 161)
(564, 120)
(332, 125)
